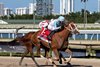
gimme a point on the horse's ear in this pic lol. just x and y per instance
(66, 22)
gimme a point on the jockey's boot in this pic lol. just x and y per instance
(50, 35)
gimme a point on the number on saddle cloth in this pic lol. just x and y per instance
(44, 33)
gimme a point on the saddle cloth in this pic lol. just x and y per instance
(43, 34)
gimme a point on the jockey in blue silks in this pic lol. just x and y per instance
(55, 25)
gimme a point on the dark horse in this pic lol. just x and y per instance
(59, 42)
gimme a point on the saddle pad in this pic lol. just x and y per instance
(43, 34)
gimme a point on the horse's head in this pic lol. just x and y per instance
(72, 27)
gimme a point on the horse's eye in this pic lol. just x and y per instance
(73, 26)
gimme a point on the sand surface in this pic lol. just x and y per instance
(27, 62)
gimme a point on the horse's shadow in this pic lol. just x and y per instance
(67, 65)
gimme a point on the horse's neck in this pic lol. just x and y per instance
(62, 38)
(64, 33)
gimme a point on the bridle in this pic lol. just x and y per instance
(70, 28)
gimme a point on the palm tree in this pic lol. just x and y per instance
(85, 14)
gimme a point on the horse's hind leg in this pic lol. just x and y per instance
(26, 52)
(32, 56)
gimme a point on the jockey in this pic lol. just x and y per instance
(55, 25)
(43, 26)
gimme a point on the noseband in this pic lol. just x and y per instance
(70, 28)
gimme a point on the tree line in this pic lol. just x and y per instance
(78, 17)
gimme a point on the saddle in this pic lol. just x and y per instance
(44, 32)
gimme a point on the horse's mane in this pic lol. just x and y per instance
(65, 23)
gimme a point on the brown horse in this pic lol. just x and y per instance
(59, 42)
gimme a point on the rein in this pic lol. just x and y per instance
(70, 28)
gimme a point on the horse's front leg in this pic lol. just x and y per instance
(56, 58)
(38, 51)
(70, 55)
(48, 56)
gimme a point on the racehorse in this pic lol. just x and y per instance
(59, 42)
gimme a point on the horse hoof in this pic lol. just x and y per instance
(54, 65)
(26, 65)
(68, 63)
(38, 65)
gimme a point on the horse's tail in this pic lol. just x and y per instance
(14, 42)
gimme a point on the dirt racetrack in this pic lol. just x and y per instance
(27, 62)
